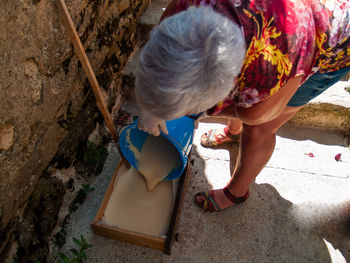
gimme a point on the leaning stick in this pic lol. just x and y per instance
(79, 50)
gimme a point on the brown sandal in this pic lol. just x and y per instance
(209, 204)
(209, 139)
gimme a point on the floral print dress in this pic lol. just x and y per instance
(284, 39)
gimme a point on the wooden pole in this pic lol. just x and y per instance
(79, 50)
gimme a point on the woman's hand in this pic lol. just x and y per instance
(146, 121)
(151, 124)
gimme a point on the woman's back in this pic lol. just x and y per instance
(285, 39)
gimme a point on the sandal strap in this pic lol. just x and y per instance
(212, 140)
(229, 134)
(227, 131)
(212, 201)
(235, 199)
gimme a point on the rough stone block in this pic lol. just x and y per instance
(129, 76)
(7, 135)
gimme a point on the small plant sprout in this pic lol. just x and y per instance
(79, 255)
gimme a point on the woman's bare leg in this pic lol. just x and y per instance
(235, 126)
(256, 147)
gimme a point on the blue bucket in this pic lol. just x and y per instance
(180, 134)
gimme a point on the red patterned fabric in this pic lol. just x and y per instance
(284, 39)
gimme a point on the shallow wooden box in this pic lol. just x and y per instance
(159, 243)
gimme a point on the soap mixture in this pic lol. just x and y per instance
(132, 207)
(156, 160)
(141, 201)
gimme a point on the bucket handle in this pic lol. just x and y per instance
(174, 141)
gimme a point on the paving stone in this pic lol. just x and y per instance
(149, 19)
(154, 12)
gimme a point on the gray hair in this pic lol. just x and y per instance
(189, 63)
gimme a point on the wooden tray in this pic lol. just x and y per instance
(159, 243)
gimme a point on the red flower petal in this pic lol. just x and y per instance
(337, 157)
(310, 154)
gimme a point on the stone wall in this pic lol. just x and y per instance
(47, 109)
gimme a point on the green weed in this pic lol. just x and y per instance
(95, 154)
(78, 255)
(81, 196)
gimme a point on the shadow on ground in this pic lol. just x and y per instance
(318, 136)
(263, 229)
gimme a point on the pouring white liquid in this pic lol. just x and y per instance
(156, 160)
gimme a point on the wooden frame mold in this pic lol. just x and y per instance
(159, 243)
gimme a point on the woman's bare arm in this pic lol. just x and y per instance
(266, 110)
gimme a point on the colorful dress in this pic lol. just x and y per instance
(284, 39)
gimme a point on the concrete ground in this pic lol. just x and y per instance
(298, 211)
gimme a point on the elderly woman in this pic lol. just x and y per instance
(256, 62)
